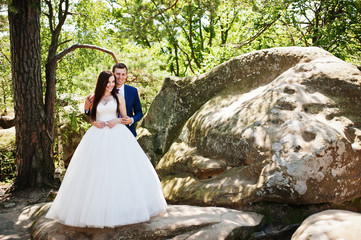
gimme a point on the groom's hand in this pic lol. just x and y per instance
(90, 98)
(127, 120)
(88, 103)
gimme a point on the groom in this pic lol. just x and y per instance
(132, 102)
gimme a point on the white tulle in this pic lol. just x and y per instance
(110, 180)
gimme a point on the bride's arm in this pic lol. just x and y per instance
(122, 110)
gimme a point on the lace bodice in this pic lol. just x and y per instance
(108, 111)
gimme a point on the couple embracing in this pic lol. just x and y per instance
(110, 180)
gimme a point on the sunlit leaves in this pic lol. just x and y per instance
(6, 93)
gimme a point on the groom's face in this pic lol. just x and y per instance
(121, 76)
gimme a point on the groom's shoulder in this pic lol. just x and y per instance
(130, 88)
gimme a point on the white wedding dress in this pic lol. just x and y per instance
(110, 180)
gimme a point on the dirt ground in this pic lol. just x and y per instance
(15, 219)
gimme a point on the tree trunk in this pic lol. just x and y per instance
(35, 165)
(50, 76)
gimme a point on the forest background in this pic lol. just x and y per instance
(158, 38)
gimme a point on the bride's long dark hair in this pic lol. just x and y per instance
(100, 90)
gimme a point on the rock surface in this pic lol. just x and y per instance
(7, 137)
(7, 122)
(330, 225)
(17, 211)
(280, 125)
(180, 222)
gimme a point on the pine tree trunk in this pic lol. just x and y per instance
(34, 155)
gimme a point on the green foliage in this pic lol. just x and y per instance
(7, 157)
(6, 93)
(356, 203)
(7, 165)
(70, 120)
(333, 25)
(146, 71)
(194, 33)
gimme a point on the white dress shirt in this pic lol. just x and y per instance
(121, 90)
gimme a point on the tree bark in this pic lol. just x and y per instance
(34, 155)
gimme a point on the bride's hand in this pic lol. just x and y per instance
(113, 122)
(99, 124)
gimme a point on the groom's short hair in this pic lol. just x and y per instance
(120, 65)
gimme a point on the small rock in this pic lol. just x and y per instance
(257, 123)
(51, 196)
(9, 205)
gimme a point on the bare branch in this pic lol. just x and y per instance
(290, 32)
(163, 11)
(6, 57)
(64, 42)
(75, 46)
(187, 56)
(267, 26)
(50, 15)
(80, 14)
(62, 14)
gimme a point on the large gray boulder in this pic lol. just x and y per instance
(330, 225)
(279, 125)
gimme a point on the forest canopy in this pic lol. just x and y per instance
(157, 38)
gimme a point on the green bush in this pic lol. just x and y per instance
(7, 157)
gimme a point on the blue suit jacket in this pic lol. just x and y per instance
(133, 106)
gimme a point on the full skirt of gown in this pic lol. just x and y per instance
(109, 181)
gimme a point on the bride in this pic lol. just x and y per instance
(109, 181)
